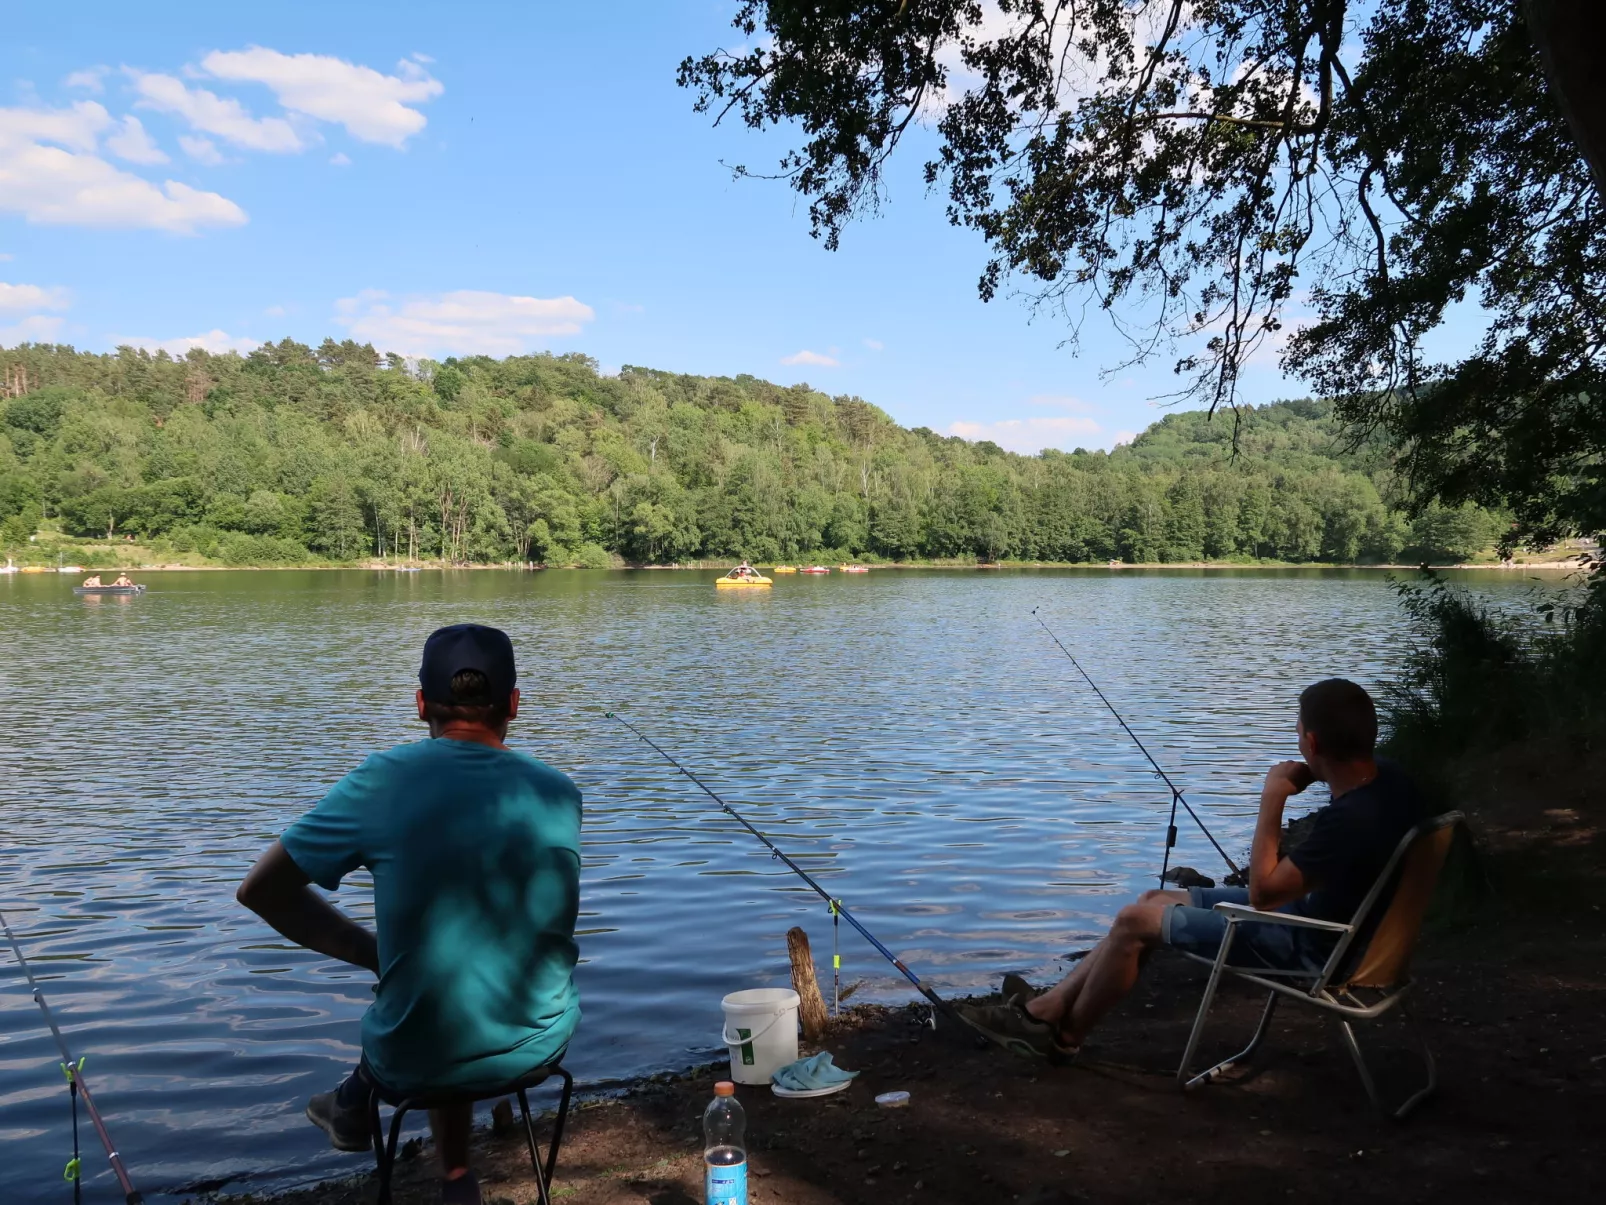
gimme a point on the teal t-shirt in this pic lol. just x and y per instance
(475, 854)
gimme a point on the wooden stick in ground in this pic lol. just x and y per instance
(812, 1008)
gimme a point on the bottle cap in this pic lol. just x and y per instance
(724, 1088)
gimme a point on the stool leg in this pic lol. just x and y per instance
(557, 1123)
(541, 1186)
(388, 1163)
(376, 1128)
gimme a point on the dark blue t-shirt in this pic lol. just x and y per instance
(1351, 840)
(475, 853)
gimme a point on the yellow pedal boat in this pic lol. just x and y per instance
(737, 579)
(784, 569)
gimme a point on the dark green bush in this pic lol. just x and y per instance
(1478, 678)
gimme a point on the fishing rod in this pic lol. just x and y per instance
(1176, 792)
(836, 905)
(74, 1071)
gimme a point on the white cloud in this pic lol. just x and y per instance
(874, 344)
(36, 328)
(1029, 435)
(1124, 437)
(420, 57)
(51, 172)
(809, 357)
(215, 341)
(6, 257)
(340, 159)
(274, 311)
(467, 321)
(213, 114)
(90, 79)
(131, 142)
(77, 128)
(371, 105)
(31, 297)
(202, 150)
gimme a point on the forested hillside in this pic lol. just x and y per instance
(294, 454)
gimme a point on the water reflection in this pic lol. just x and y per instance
(914, 739)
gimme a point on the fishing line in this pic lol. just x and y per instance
(1176, 792)
(76, 1086)
(838, 909)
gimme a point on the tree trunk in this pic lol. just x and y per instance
(1570, 36)
(811, 1011)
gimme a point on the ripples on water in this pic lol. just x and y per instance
(914, 739)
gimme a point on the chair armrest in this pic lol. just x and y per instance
(1239, 912)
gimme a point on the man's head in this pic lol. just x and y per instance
(1337, 725)
(466, 680)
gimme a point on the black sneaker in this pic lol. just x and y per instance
(1017, 1031)
(348, 1128)
(1016, 988)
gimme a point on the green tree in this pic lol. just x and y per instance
(1205, 166)
(334, 522)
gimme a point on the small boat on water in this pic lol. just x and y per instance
(815, 569)
(108, 589)
(784, 569)
(855, 569)
(744, 575)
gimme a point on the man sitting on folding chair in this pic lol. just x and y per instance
(1326, 878)
(475, 853)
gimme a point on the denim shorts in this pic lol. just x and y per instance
(1196, 928)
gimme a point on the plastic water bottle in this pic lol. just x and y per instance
(724, 1148)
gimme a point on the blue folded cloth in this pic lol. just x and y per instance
(805, 1075)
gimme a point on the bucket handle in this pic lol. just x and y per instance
(733, 1040)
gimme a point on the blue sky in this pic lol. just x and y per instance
(492, 178)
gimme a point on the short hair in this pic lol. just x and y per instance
(1341, 716)
(471, 702)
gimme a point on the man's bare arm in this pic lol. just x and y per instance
(1274, 880)
(278, 892)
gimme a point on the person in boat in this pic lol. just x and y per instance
(744, 570)
(122, 580)
(92, 582)
(475, 854)
(1374, 804)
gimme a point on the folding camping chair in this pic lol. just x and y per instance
(1378, 969)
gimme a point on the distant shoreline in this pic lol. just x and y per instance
(1572, 564)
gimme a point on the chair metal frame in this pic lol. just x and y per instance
(385, 1150)
(1317, 988)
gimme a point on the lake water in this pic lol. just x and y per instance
(914, 738)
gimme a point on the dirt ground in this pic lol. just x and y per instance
(1512, 1005)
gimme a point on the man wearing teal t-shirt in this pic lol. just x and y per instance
(475, 856)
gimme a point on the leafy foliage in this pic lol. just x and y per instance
(1211, 171)
(290, 454)
(1478, 678)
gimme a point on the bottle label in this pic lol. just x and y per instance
(726, 1185)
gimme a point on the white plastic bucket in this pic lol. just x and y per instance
(761, 1031)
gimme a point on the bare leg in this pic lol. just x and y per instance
(451, 1129)
(1078, 1001)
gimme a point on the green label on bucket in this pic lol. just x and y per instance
(747, 1047)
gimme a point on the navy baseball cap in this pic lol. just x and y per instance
(467, 646)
